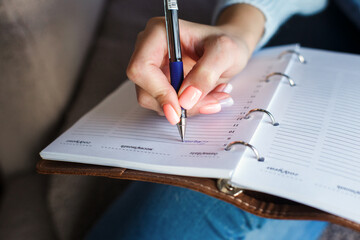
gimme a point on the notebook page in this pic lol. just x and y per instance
(313, 155)
(120, 133)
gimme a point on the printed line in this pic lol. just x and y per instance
(353, 142)
(293, 111)
(336, 174)
(327, 159)
(343, 130)
(310, 99)
(169, 141)
(163, 136)
(306, 107)
(347, 112)
(89, 128)
(346, 120)
(296, 128)
(297, 146)
(287, 156)
(337, 146)
(288, 161)
(331, 151)
(293, 131)
(337, 123)
(301, 124)
(300, 109)
(90, 135)
(300, 118)
(338, 170)
(90, 132)
(295, 151)
(347, 134)
(292, 136)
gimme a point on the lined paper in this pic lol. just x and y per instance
(120, 133)
(313, 155)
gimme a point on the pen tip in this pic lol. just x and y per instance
(181, 128)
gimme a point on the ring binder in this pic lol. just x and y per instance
(260, 159)
(273, 121)
(299, 56)
(291, 82)
(224, 186)
(130, 151)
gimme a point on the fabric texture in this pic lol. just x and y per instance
(275, 12)
(23, 212)
(155, 211)
(43, 46)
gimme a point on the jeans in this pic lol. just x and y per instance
(154, 211)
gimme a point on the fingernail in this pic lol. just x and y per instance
(227, 102)
(220, 95)
(190, 97)
(228, 88)
(171, 114)
(211, 108)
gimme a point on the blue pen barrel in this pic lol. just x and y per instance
(176, 74)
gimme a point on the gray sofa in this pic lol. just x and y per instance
(57, 60)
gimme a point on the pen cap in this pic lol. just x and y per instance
(176, 74)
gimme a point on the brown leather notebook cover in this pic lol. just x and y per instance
(260, 204)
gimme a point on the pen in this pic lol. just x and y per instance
(174, 49)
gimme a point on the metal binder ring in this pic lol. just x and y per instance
(224, 186)
(299, 56)
(273, 122)
(228, 148)
(291, 82)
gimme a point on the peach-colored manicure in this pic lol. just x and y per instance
(190, 97)
(224, 87)
(228, 88)
(211, 108)
(227, 102)
(220, 87)
(220, 95)
(171, 114)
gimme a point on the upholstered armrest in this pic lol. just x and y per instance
(23, 211)
(43, 45)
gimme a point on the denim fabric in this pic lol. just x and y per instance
(154, 211)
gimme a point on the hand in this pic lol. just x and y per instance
(211, 56)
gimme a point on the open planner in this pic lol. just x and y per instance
(293, 132)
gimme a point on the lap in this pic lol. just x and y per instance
(154, 211)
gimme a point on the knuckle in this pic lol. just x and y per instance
(207, 76)
(225, 42)
(144, 100)
(133, 71)
(162, 95)
(154, 22)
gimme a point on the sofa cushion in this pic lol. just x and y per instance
(23, 210)
(42, 48)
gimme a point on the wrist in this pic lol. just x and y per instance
(244, 22)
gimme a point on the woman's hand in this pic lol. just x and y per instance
(211, 56)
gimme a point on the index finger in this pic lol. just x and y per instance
(144, 68)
